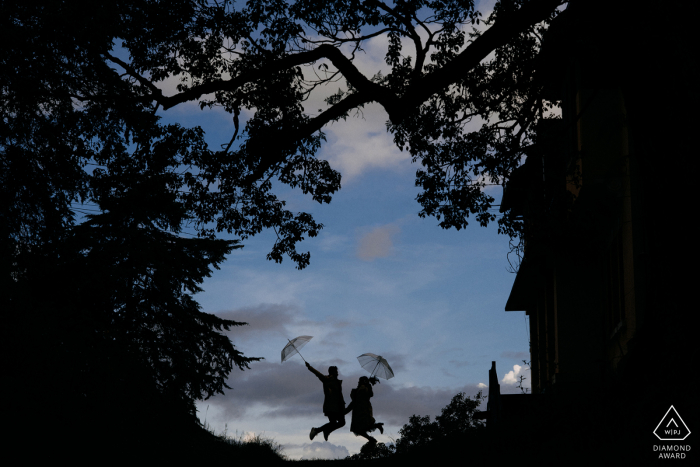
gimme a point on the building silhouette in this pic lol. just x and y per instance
(599, 279)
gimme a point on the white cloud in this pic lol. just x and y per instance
(481, 386)
(511, 376)
(248, 436)
(254, 287)
(325, 450)
(378, 243)
(289, 391)
(363, 144)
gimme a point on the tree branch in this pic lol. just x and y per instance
(271, 149)
(496, 36)
(341, 40)
(156, 93)
(373, 91)
(420, 52)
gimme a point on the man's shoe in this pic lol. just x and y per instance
(325, 435)
(313, 433)
(381, 427)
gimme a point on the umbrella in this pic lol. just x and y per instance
(294, 346)
(376, 365)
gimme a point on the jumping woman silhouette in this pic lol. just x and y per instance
(362, 417)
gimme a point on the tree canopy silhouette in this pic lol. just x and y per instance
(96, 190)
(85, 83)
(455, 420)
(85, 93)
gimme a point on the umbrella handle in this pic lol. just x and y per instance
(371, 374)
(295, 348)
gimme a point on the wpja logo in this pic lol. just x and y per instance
(672, 428)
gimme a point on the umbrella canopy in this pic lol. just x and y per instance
(376, 365)
(293, 347)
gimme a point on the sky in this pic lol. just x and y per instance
(381, 280)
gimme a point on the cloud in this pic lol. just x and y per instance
(325, 450)
(283, 390)
(396, 405)
(377, 243)
(481, 386)
(511, 376)
(251, 286)
(263, 318)
(289, 391)
(361, 144)
(279, 321)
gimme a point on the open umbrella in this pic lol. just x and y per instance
(293, 347)
(376, 365)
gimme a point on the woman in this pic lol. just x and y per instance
(362, 418)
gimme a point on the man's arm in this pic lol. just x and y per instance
(313, 370)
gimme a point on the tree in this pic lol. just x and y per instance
(458, 415)
(81, 99)
(115, 324)
(256, 57)
(429, 98)
(81, 130)
(96, 190)
(456, 418)
(102, 309)
(373, 451)
(139, 281)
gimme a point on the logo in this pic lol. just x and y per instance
(672, 427)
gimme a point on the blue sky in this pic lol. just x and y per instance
(381, 280)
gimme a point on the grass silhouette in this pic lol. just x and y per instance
(254, 443)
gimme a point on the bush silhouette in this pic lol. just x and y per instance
(456, 418)
(455, 421)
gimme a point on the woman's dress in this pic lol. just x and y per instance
(362, 416)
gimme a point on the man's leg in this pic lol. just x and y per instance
(335, 421)
(314, 432)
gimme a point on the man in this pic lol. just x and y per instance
(333, 403)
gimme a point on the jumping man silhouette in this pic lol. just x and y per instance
(333, 403)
